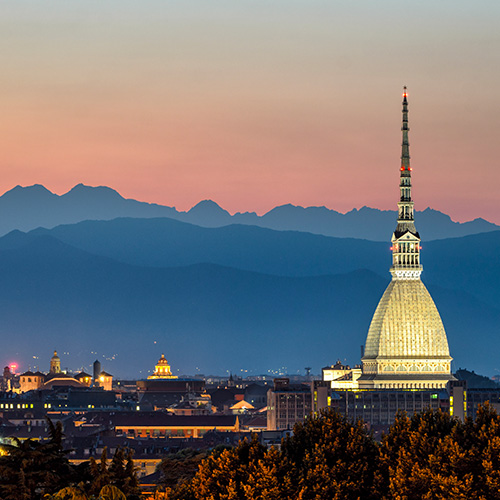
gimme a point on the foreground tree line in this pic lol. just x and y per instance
(428, 456)
(33, 470)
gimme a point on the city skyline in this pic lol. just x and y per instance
(253, 105)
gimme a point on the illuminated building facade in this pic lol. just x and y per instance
(56, 378)
(30, 381)
(105, 381)
(162, 369)
(162, 380)
(141, 425)
(406, 346)
(342, 377)
(84, 378)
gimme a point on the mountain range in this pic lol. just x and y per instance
(227, 298)
(26, 208)
(470, 264)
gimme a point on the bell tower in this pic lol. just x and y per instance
(55, 363)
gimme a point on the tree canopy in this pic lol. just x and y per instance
(428, 456)
(33, 470)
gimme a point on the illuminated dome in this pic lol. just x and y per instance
(406, 346)
(162, 369)
(406, 324)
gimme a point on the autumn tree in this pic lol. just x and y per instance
(180, 467)
(480, 441)
(417, 458)
(247, 471)
(329, 457)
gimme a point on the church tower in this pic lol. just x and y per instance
(55, 363)
(406, 346)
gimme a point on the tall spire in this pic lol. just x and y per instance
(405, 240)
(406, 346)
(405, 205)
(405, 148)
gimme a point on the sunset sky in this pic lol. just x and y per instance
(254, 103)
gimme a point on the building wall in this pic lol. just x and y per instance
(381, 406)
(287, 408)
(145, 431)
(288, 405)
(476, 397)
(104, 381)
(30, 382)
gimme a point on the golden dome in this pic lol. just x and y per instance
(406, 346)
(162, 360)
(162, 369)
(406, 323)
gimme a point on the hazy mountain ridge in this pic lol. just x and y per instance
(469, 264)
(26, 208)
(165, 242)
(217, 318)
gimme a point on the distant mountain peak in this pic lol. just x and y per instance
(32, 188)
(82, 189)
(27, 191)
(368, 210)
(284, 208)
(207, 207)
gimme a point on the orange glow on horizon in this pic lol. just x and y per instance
(175, 116)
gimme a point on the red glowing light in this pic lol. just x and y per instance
(409, 168)
(402, 168)
(13, 367)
